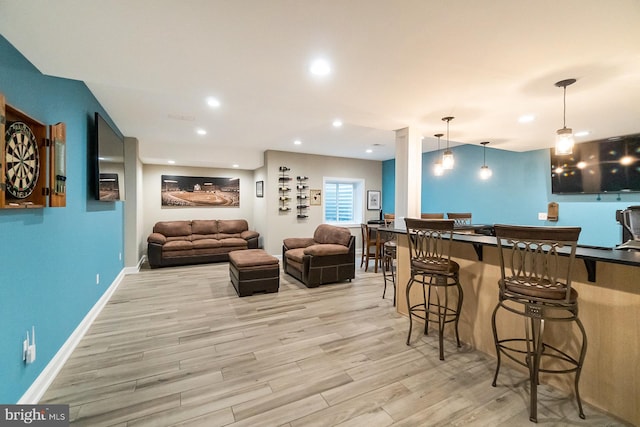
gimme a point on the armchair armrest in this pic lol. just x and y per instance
(298, 242)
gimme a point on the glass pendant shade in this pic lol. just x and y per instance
(485, 172)
(564, 141)
(438, 170)
(564, 136)
(447, 160)
(447, 156)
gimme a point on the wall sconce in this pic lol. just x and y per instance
(485, 172)
(564, 136)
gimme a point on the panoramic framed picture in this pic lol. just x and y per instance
(190, 191)
(259, 188)
(373, 200)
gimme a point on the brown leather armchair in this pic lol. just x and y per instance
(330, 256)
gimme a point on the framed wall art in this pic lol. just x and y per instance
(373, 200)
(190, 191)
(259, 188)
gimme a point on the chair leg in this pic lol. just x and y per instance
(537, 331)
(427, 307)
(409, 309)
(442, 314)
(497, 343)
(583, 352)
(458, 310)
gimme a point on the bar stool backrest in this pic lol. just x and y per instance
(432, 215)
(461, 218)
(429, 244)
(531, 265)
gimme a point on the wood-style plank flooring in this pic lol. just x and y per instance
(176, 346)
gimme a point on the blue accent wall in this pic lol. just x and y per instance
(519, 188)
(50, 257)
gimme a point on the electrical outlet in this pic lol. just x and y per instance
(120, 256)
(98, 279)
(542, 216)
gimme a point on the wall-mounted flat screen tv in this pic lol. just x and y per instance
(109, 162)
(609, 165)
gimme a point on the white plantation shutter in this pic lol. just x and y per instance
(342, 200)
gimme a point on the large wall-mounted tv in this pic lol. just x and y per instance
(609, 165)
(109, 163)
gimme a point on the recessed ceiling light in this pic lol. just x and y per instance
(626, 160)
(201, 131)
(297, 142)
(236, 165)
(213, 102)
(581, 165)
(320, 67)
(337, 123)
(171, 162)
(369, 150)
(526, 118)
(581, 133)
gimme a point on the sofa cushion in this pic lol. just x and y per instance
(173, 228)
(232, 226)
(295, 254)
(233, 242)
(195, 237)
(177, 245)
(206, 243)
(326, 249)
(204, 226)
(326, 233)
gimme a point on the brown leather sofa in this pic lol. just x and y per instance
(330, 256)
(198, 241)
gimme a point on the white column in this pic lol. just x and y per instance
(408, 173)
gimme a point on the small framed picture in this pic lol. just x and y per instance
(259, 188)
(316, 197)
(373, 200)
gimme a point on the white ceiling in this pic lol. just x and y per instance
(152, 63)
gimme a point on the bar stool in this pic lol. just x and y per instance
(370, 248)
(431, 266)
(389, 246)
(536, 284)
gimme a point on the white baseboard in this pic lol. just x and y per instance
(37, 389)
(136, 269)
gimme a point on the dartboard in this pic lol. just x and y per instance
(21, 159)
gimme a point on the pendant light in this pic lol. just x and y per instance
(438, 170)
(447, 156)
(564, 136)
(485, 172)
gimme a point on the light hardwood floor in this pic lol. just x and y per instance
(176, 346)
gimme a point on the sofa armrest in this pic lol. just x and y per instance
(249, 234)
(298, 242)
(157, 238)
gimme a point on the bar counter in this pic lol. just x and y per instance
(608, 283)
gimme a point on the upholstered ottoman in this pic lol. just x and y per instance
(254, 270)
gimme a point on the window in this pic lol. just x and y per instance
(343, 199)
